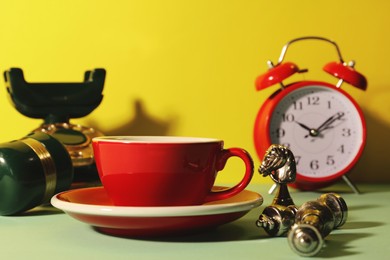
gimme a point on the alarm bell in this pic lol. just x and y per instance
(346, 72)
(282, 70)
(276, 75)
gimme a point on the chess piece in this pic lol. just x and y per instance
(314, 220)
(277, 218)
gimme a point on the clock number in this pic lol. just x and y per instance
(313, 100)
(314, 165)
(329, 104)
(346, 132)
(298, 105)
(297, 159)
(341, 149)
(280, 132)
(288, 118)
(330, 160)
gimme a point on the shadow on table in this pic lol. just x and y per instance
(240, 231)
(362, 224)
(336, 245)
(40, 211)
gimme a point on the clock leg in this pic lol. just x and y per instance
(351, 185)
(273, 188)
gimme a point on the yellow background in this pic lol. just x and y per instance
(188, 67)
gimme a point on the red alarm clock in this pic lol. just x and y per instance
(319, 122)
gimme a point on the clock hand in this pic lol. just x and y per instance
(303, 126)
(325, 125)
(312, 131)
(329, 121)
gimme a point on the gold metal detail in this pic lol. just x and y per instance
(48, 165)
(81, 154)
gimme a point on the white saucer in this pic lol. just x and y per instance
(92, 206)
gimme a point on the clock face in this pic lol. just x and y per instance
(322, 126)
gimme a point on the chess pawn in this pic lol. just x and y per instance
(276, 220)
(314, 220)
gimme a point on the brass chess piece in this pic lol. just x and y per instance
(314, 220)
(278, 163)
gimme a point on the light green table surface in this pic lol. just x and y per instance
(51, 234)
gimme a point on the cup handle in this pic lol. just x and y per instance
(225, 155)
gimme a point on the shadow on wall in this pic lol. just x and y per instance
(374, 165)
(141, 123)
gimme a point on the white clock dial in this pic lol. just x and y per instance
(321, 126)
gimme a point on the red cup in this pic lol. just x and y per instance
(165, 171)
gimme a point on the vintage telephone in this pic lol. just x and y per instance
(56, 104)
